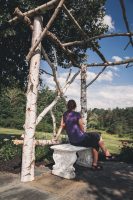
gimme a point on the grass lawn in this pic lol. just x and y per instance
(112, 142)
(9, 131)
(16, 132)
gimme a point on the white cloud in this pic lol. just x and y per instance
(105, 76)
(98, 95)
(126, 57)
(108, 21)
(117, 58)
(104, 96)
(112, 96)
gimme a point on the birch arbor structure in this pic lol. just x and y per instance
(28, 158)
(86, 40)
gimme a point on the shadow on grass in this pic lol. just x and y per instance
(9, 136)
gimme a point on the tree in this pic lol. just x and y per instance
(93, 121)
(13, 52)
(12, 104)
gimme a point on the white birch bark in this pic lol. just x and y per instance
(37, 142)
(28, 157)
(54, 122)
(84, 95)
(46, 110)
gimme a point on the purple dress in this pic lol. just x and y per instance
(75, 135)
(72, 127)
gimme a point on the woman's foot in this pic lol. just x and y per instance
(110, 158)
(107, 153)
(96, 167)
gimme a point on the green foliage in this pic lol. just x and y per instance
(93, 121)
(118, 120)
(12, 106)
(8, 150)
(15, 40)
(46, 96)
(42, 153)
(126, 153)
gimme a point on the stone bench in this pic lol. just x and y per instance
(65, 155)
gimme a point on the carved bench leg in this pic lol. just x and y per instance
(85, 158)
(64, 164)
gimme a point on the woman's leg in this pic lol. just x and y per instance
(95, 156)
(95, 165)
(104, 149)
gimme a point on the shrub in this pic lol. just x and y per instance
(43, 152)
(8, 150)
(126, 153)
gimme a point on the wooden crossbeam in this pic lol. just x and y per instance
(39, 10)
(126, 61)
(83, 33)
(83, 42)
(38, 142)
(43, 34)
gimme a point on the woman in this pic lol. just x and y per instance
(73, 124)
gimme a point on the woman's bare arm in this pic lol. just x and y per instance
(62, 125)
(81, 124)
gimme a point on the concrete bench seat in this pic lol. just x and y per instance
(65, 155)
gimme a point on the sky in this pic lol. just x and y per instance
(114, 88)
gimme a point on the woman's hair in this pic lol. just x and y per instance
(71, 105)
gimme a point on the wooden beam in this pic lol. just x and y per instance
(126, 61)
(83, 42)
(37, 142)
(43, 34)
(125, 20)
(35, 11)
(83, 33)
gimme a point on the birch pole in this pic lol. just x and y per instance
(54, 122)
(28, 156)
(84, 95)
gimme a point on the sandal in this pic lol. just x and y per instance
(110, 158)
(96, 167)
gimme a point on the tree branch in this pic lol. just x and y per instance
(37, 142)
(45, 30)
(125, 20)
(39, 10)
(69, 74)
(83, 33)
(43, 71)
(21, 15)
(130, 60)
(69, 82)
(47, 109)
(53, 70)
(96, 37)
(67, 52)
(96, 77)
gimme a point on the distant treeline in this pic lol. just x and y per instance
(118, 120)
(12, 113)
(12, 108)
